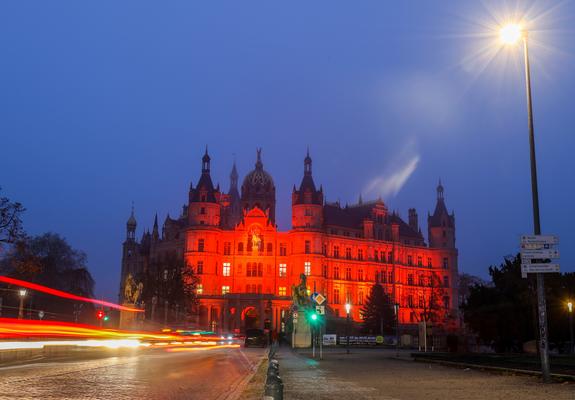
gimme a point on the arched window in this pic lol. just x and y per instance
(240, 247)
(270, 248)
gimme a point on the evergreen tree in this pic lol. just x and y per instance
(378, 314)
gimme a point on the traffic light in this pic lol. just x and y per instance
(106, 317)
(100, 314)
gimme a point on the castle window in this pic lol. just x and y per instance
(283, 270)
(260, 269)
(226, 269)
(325, 271)
(335, 296)
(410, 279)
(409, 260)
(203, 210)
(336, 251)
(203, 198)
(390, 257)
(307, 268)
(251, 269)
(345, 233)
(360, 274)
(307, 247)
(360, 255)
(270, 249)
(390, 277)
(445, 263)
(421, 280)
(282, 291)
(429, 263)
(348, 274)
(410, 301)
(308, 212)
(240, 248)
(446, 302)
(225, 290)
(227, 248)
(199, 288)
(383, 277)
(379, 234)
(348, 253)
(360, 298)
(200, 268)
(419, 261)
(336, 272)
(324, 249)
(200, 244)
(446, 281)
(421, 302)
(375, 255)
(283, 249)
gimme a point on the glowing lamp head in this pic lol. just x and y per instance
(22, 292)
(347, 307)
(570, 306)
(314, 317)
(511, 33)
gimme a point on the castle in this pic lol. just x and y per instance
(246, 267)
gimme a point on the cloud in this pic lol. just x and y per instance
(396, 174)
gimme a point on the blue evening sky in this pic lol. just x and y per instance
(105, 103)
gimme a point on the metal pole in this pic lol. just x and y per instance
(397, 329)
(542, 306)
(321, 342)
(21, 308)
(347, 333)
(572, 348)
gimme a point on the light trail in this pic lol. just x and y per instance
(109, 343)
(205, 348)
(65, 295)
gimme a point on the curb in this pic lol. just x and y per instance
(493, 368)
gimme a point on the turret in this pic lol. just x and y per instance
(131, 227)
(204, 207)
(413, 222)
(441, 224)
(307, 202)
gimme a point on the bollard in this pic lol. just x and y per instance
(274, 388)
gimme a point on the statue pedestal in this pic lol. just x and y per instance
(301, 336)
(130, 320)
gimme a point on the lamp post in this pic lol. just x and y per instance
(396, 309)
(22, 294)
(347, 310)
(510, 35)
(571, 343)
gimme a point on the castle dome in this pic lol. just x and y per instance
(258, 180)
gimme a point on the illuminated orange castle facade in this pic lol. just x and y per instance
(247, 267)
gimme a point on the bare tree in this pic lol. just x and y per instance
(10, 222)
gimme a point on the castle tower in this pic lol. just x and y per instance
(258, 190)
(441, 225)
(233, 212)
(204, 207)
(129, 252)
(307, 202)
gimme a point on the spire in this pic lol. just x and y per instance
(307, 164)
(234, 177)
(259, 164)
(131, 225)
(440, 190)
(155, 232)
(360, 201)
(206, 162)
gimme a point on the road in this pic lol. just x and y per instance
(148, 374)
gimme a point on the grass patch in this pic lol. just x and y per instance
(255, 387)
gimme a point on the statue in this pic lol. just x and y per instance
(299, 293)
(132, 291)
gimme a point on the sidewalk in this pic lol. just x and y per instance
(369, 374)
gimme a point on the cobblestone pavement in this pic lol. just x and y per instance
(369, 374)
(154, 374)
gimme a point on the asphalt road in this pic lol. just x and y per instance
(147, 374)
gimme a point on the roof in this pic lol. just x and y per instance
(440, 211)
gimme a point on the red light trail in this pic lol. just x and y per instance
(65, 295)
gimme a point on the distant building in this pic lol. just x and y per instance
(247, 267)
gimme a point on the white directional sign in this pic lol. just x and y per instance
(539, 239)
(539, 254)
(320, 310)
(535, 250)
(539, 268)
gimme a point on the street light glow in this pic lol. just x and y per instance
(22, 292)
(511, 33)
(347, 307)
(570, 306)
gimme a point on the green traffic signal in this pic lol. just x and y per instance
(106, 318)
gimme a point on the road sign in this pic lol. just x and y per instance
(40, 314)
(539, 268)
(295, 315)
(539, 254)
(320, 310)
(539, 239)
(319, 298)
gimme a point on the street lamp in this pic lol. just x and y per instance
(511, 34)
(22, 294)
(571, 343)
(396, 309)
(347, 310)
